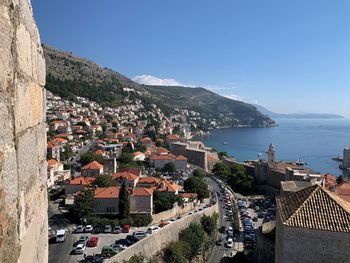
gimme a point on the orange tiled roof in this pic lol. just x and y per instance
(314, 208)
(189, 195)
(168, 187)
(137, 153)
(51, 144)
(62, 135)
(181, 158)
(148, 180)
(163, 157)
(82, 180)
(343, 191)
(107, 192)
(100, 152)
(59, 140)
(93, 166)
(126, 175)
(133, 170)
(52, 162)
(140, 191)
(172, 137)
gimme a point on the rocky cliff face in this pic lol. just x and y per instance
(23, 194)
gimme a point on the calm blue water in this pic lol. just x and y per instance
(315, 141)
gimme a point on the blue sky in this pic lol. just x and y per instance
(289, 56)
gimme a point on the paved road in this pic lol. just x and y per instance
(219, 251)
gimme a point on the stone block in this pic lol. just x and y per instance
(21, 106)
(6, 61)
(6, 120)
(26, 18)
(27, 155)
(36, 104)
(24, 51)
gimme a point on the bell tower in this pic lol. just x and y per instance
(272, 153)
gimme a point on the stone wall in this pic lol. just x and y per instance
(150, 245)
(23, 171)
(174, 212)
(308, 245)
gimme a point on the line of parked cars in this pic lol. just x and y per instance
(249, 240)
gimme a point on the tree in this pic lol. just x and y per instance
(196, 185)
(193, 235)
(67, 153)
(125, 158)
(123, 201)
(165, 201)
(84, 203)
(209, 223)
(87, 158)
(239, 179)
(105, 180)
(169, 167)
(223, 154)
(199, 173)
(177, 252)
(221, 170)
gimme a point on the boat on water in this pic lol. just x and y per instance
(225, 143)
(300, 162)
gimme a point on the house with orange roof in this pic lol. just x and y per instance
(167, 187)
(92, 169)
(77, 184)
(180, 162)
(172, 138)
(141, 200)
(148, 182)
(138, 156)
(101, 152)
(56, 173)
(60, 141)
(106, 200)
(147, 142)
(125, 177)
(66, 136)
(53, 150)
(133, 170)
(188, 196)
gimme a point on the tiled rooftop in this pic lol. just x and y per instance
(314, 208)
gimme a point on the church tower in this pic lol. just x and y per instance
(272, 154)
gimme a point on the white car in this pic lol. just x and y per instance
(79, 249)
(152, 229)
(88, 228)
(139, 234)
(229, 243)
(79, 229)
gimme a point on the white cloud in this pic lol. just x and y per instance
(152, 80)
(234, 97)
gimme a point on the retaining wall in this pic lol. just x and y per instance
(150, 245)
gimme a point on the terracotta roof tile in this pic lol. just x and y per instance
(139, 191)
(126, 175)
(107, 192)
(315, 208)
(93, 166)
(82, 180)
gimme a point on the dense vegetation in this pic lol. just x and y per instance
(235, 176)
(192, 240)
(195, 184)
(165, 201)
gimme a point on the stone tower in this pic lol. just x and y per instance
(23, 171)
(272, 154)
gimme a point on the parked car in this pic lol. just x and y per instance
(108, 251)
(117, 230)
(163, 223)
(108, 229)
(222, 229)
(126, 228)
(98, 258)
(88, 229)
(79, 229)
(97, 230)
(93, 241)
(152, 229)
(60, 235)
(83, 240)
(79, 249)
(229, 243)
(219, 241)
(119, 247)
(123, 242)
(132, 239)
(139, 235)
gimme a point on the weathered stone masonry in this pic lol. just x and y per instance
(23, 195)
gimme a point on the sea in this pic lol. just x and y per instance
(314, 141)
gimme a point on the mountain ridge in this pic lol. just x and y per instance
(69, 76)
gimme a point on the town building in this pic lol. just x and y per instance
(56, 173)
(129, 179)
(180, 162)
(141, 200)
(92, 169)
(346, 158)
(106, 200)
(313, 225)
(77, 184)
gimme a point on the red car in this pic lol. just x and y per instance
(93, 241)
(126, 228)
(163, 223)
